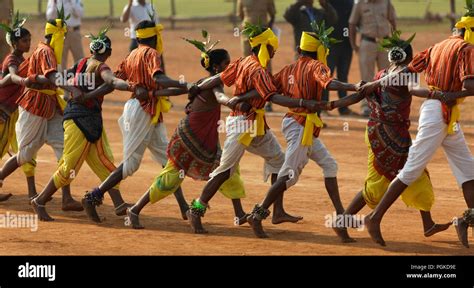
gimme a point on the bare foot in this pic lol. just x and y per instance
(373, 228)
(239, 221)
(121, 210)
(436, 228)
(40, 210)
(72, 205)
(343, 235)
(278, 219)
(256, 227)
(184, 211)
(91, 211)
(134, 219)
(5, 197)
(195, 222)
(461, 229)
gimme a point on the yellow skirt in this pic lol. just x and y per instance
(171, 178)
(418, 195)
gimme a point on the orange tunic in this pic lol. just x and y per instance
(41, 62)
(446, 65)
(304, 79)
(247, 74)
(139, 68)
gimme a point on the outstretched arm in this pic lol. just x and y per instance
(338, 85)
(210, 82)
(344, 102)
(169, 92)
(294, 103)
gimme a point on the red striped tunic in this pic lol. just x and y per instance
(247, 74)
(304, 79)
(41, 62)
(139, 68)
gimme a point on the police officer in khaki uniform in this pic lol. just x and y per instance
(375, 19)
(256, 12)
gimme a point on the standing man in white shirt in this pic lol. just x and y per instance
(135, 12)
(73, 40)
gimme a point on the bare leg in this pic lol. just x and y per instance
(9, 167)
(279, 213)
(333, 191)
(462, 224)
(119, 204)
(39, 202)
(354, 207)
(195, 213)
(31, 187)
(69, 204)
(261, 211)
(183, 205)
(239, 212)
(372, 221)
(429, 226)
(94, 198)
(134, 211)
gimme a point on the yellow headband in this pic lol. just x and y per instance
(264, 39)
(468, 24)
(150, 32)
(311, 44)
(57, 40)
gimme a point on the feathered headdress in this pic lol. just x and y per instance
(396, 46)
(98, 43)
(15, 25)
(204, 46)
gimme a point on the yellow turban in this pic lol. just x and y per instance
(467, 23)
(311, 44)
(150, 32)
(264, 39)
(57, 40)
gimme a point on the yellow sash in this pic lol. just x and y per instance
(312, 121)
(455, 112)
(245, 138)
(59, 93)
(163, 105)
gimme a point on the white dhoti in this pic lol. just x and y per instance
(265, 146)
(297, 155)
(433, 133)
(138, 134)
(34, 131)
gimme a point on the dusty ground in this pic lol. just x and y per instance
(166, 233)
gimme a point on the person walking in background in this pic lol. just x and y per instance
(257, 12)
(340, 57)
(375, 19)
(73, 40)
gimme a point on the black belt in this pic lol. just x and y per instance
(371, 39)
(77, 28)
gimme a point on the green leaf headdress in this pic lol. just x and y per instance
(204, 46)
(15, 25)
(252, 30)
(396, 46)
(322, 33)
(469, 8)
(98, 43)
